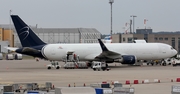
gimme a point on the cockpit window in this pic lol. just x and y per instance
(172, 48)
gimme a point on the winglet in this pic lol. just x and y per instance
(103, 47)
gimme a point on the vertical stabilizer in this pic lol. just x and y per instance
(27, 37)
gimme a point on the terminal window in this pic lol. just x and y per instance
(165, 38)
(173, 42)
(135, 38)
(155, 38)
(124, 39)
(130, 40)
(160, 38)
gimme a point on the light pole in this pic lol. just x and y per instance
(10, 38)
(133, 21)
(111, 2)
(10, 11)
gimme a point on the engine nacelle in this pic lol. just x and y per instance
(128, 59)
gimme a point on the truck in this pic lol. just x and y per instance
(176, 62)
(53, 64)
(163, 62)
(99, 66)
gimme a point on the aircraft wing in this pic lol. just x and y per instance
(11, 48)
(107, 54)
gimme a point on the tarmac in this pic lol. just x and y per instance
(20, 71)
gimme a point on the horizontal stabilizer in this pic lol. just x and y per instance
(29, 50)
(11, 48)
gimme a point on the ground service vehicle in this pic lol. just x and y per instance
(53, 65)
(168, 61)
(100, 65)
(176, 62)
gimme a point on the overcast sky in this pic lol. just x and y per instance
(162, 15)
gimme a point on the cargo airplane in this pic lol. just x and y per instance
(124, 53)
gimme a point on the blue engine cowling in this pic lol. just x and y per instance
(128, 59)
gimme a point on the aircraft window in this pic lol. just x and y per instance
(172, 48)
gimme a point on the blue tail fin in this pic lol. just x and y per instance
(27, 37)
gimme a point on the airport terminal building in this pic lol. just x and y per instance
(171, 38)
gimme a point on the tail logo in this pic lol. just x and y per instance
(24, 32)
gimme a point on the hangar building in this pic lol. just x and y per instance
(61, 35)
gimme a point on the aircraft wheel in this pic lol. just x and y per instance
(57, 67)
(89, 64)
(106, 65)
(17, 90)
(49, 68)
(103, 69)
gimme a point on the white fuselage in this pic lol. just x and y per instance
(143, 51)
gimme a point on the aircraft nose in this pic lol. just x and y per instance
(174, 52)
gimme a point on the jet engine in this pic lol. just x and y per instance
(128, 59)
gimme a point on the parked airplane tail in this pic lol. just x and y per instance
(108, 39)
(27, 37)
